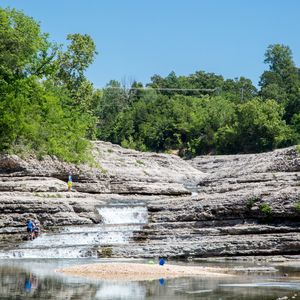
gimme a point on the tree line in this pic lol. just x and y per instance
(48, 106)
(204, 113)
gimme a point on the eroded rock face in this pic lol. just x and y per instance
(245, 204)
(116, 170)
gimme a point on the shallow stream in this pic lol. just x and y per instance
(25, 275)
(36, 279)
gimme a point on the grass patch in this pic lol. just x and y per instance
(99, 167)
(297, 207)
(140, 162)
(266, 209)
(103, 170)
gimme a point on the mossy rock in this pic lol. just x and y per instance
(104, 252)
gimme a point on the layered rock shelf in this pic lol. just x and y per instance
(209, 206)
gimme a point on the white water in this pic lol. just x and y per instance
(124, 214)
(120, 223)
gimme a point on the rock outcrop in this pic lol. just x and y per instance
(114, 170)
(208, 206)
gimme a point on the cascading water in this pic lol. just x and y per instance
(121, 214)
(120, 221)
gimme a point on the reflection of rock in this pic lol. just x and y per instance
(245, 205)
(119, 290)
(254, 269)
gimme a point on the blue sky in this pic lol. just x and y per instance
(139, 38)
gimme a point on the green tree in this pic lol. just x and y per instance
(35, 115)
(71, 66)
(24, 49)
(239, 90)
(32, 120)
(109, 104)
(260, 126)
(282, 81)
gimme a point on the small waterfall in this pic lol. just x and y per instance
(120, 214)
(119, 224)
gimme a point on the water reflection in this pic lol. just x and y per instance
(120, 290)
(32, 279)
(31, 282)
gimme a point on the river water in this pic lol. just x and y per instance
(36, 279)
(24, 275)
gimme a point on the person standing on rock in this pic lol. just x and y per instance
(36, 228)
(70, 183)
(30, 227)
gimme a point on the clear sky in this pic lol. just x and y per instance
(139, 38)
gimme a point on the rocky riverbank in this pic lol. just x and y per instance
(209, 206)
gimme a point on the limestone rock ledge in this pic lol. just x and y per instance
(115, 170)
(244, 205)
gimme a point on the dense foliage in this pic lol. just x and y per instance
(48, 106)
(40, 108)
(204, 113)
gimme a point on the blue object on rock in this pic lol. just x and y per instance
(161, 262)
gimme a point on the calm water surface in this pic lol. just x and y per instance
(36, 279)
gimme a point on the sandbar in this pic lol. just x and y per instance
(140, 272)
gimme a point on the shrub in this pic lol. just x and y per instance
(266, 209)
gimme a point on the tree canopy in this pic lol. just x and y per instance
(38, 115)
(204, 113)
(48, 106)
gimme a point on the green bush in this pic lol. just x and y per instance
(266, 209)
